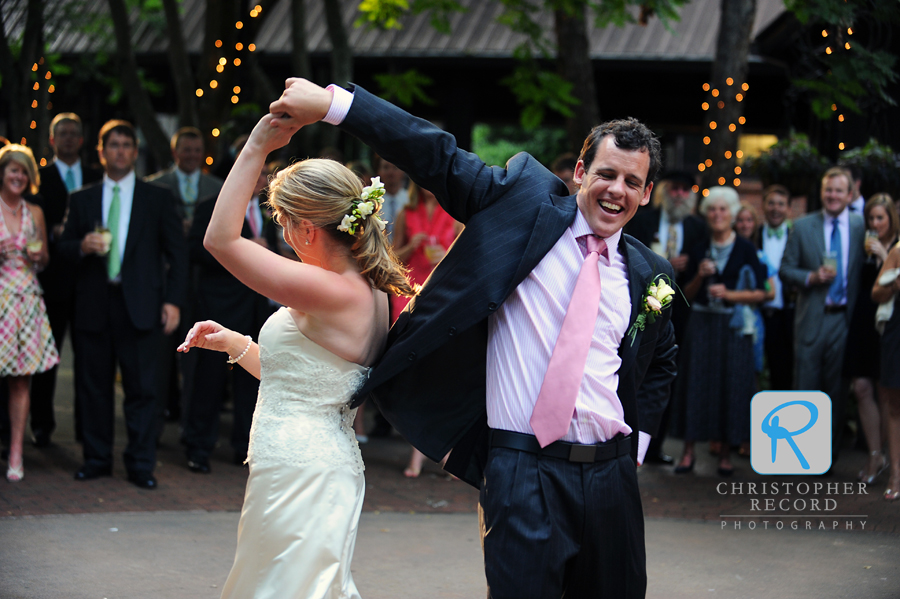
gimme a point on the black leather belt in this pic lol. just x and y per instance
(835, 309)
(572, 452)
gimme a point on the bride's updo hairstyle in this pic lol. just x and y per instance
(323, 192)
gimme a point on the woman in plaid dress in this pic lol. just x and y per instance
(26, 344)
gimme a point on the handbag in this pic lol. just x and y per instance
(886, 310)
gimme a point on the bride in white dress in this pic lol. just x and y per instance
(305, 489)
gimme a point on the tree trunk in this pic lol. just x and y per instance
(181, 67)
(575, 66)
(303, 142)
(16, 73)
(341, 57)
(138, 99)
(726, 99)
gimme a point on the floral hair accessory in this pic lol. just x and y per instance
(367, 206)
(657, 298)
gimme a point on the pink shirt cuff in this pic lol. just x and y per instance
(643, 443)
(340, 105)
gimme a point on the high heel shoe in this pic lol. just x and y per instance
(871, 479)
(685, 468)
(891, 494)
(14, 475)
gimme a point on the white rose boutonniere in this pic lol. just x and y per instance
(366, 206)
(657, 298)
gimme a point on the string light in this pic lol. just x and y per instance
(706, 141)
(704, 106)
(238, 25)
(727, 154)
(742, 120)
(729, 81)
(739, 97)
(847, 46)
(199, 93)
(49, 105)
(36, 87)
(708, 162)
(715, 93)
(706, 87)
(841, 118)
(23, 142)
(732, 127)
(253, 13)
(721, 104)
(705, 193)
(219, 68)
(34, 104)
(695, 188)
(51, 89)
(840, 145)
(213, 84)
(824, 33)
(218, 43)
(739, 154)
(223, 61)
(745, 87)
(48, 75)
(737, 170)
(34, 67)
(237, 62)
(34, 126)
(721, 180)
(215, 133)
(834, 107)
(737, 182)
(234, 99)
(712, 125)
(849, 30)
(239, 46)
(252, 47)
(828, 50)
(237, 89)
(257, 8)
(43, 162)
(701, 167)
(209, 160)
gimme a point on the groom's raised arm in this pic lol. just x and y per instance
(460, 180)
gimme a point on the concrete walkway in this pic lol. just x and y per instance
(174, 555)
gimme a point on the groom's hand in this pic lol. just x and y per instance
(302, 101)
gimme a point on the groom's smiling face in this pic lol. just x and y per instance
(613, 186)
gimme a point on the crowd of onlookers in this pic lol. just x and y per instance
(118, 263)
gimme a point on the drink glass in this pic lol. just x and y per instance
(713, 254)
(871, 236)
(106, 234)
(829, 261)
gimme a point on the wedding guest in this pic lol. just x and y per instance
(26, 346)
(563, 166)
(778, 313)
(718, 378)
(747, 224)
(65, 174)
(190, 185)
(862, 357)
(422, 236)
(395, 192)
(889, 387)
(125, 241)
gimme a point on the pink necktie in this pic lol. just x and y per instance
(555, 404)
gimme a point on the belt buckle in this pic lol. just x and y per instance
(582, 453)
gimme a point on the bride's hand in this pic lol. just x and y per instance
(270, 133)
(209, 335)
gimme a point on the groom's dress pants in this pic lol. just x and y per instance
(553, 527)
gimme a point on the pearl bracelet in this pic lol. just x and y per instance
(243, 353)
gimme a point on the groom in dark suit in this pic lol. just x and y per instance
(468, 356)
(122, 302)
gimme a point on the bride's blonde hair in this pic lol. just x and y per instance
(322, 191)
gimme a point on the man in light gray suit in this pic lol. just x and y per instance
(190, 185)
(823, 259)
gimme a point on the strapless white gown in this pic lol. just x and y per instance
(305, 490)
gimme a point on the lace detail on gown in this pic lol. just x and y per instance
(302, 413)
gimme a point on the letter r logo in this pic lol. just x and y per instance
(790, 432)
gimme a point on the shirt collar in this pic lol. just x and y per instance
(581, 227)
(126, 183)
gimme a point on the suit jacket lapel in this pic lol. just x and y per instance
(552, 220)
(639, 275)
(819, 235)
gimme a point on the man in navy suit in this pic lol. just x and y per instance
(468, 355)
(61, 177)
(122, 302)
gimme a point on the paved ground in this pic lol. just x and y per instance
(419, 538)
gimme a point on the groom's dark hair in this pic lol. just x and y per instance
(629, 134)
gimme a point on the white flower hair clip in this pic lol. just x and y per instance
(366, 206)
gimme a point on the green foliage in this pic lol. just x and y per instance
(880, 167)
(404, 88)
(850, 78)
(792, 162)
(439, 11)
(496, 145)
(384, 14)
(538, 90)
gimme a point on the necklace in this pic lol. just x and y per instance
(13, 211)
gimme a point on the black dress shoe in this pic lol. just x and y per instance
(199, 465)
(89, 472)
(684, 469)
(659, 458)
(142, 479)
(40, 439)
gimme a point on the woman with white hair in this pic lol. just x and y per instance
(716, 375)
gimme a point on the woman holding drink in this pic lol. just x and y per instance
(862, 356)
(26, 345)
(422, 235)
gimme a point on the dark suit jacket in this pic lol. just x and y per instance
(221, 296)
(155, 239)
(207, 187)
(430, 383)
(58, 279)
(803, 254)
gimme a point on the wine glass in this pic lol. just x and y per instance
(713, 254)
